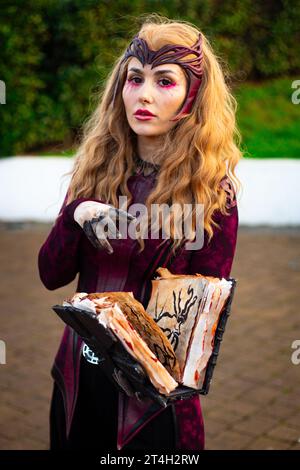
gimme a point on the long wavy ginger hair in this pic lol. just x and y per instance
(195, 155)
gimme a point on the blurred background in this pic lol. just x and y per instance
(54, 58)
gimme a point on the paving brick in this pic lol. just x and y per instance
(267, 443)
(224, 415)
(254, 423)
(25, 444)
(295, 446)
(214, 427)
(228, 440)
(286, 433)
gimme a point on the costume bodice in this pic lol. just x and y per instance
(145, 168)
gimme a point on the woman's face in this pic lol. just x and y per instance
(160, 90)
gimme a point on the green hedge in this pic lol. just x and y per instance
(56, 54)
(268, 119)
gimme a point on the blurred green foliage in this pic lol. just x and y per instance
(56, 54)
(268, 120)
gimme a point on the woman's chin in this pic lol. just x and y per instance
(146, 131)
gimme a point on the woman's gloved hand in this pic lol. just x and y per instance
(93, 216)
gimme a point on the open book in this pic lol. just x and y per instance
(187, 308)
(173, 339)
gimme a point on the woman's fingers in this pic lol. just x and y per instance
(89, 231)
(99, 240)
(101, 221)
(114, 212)
(109, 218)
(101, 236)
(94, 228)
(112, 230)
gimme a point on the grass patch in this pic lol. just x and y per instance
(268, 120)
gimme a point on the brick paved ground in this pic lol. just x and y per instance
(254, 400)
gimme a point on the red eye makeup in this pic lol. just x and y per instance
(167, 83)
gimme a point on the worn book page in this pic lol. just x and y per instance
(187, 309)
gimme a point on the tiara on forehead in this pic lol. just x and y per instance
(170, 53)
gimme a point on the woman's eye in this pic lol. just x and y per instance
(166, 82)
(131, 79)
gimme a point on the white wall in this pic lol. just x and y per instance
(33, 189)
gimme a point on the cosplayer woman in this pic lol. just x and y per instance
(184, 153)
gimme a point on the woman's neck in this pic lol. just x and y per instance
(147, 146)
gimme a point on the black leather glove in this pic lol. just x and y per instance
(93, 216)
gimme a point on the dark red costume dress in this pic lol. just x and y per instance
(86, 410)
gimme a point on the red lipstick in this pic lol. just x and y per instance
(143, 114)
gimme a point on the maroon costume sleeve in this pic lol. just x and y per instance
(58, 259)
(216, 258)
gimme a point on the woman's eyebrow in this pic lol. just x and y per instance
(158, 72)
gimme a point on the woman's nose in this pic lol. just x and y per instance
(146, 93)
